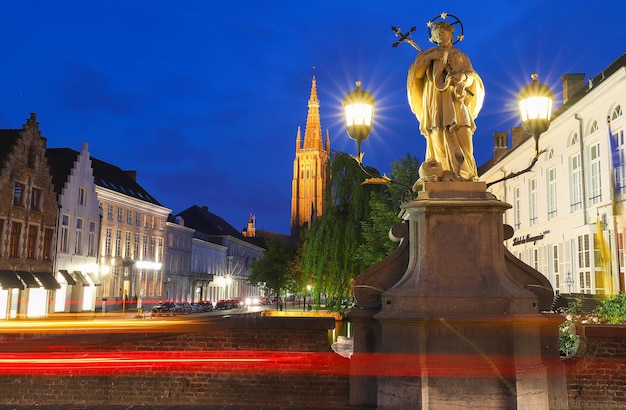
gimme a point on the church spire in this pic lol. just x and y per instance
(313, 131)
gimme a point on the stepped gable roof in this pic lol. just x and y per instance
(8, 138)
(208, 223)
(61, 162)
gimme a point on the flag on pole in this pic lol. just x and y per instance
(605, 253)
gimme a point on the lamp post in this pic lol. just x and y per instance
(358, 106)
(535, 108)
(569, 282)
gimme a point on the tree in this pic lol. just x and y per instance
(328, 261)
(352, 233)
(272, 270)
(384, 210)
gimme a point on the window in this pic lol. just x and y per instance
(82, 196)
(137, 219)
(129, 217)
(126, 245)
(120, 214)
(78, 247)
(118, 242)
(584, 263)
(32, 158)
(555, 268)
(551, 193)
(31, 242)
(107, 242)
(595, 192)
(575, 189)
(137, 246)
(64, 238)
(619, 163)
(91, 243)
(152, 248)
(159, 255)
(18, 194)
(518, 208)
(47, 244)
(532, 197)
(584, 281)
(110, 212)
(35, 199)
(144, 249)
(14, 240)
(583, 251)
(617, 112)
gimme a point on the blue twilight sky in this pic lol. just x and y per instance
(203, 98)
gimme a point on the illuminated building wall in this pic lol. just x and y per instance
(28, 214)
(77, 269)
(568, 213)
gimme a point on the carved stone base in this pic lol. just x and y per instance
(460, 329)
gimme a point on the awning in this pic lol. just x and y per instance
(94, 279)
(27, 278)
(68, 278)
(9, 280)
(47, 280)
(81, 278)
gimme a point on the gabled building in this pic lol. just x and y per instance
(228, 278)
(77, 265)
(132, 240)
(568, 214)
(310, 175)
(28, 218)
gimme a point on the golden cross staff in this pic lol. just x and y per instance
(404, 37)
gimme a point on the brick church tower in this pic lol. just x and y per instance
(310, 175)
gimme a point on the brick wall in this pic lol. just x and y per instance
(251, 361)
(596, 375)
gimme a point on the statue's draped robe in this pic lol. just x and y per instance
(446, 116)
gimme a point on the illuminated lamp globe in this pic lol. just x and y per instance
(358, 106)
(535, 105)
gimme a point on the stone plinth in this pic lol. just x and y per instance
(459, 330)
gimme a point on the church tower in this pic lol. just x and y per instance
(309, 169)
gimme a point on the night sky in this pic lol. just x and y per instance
(203, 98)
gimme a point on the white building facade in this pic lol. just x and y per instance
(568, 212)
(78, 231)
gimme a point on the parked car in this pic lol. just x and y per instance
(183, 308)
(207, 305)
(228, 304)
(196, 307)
(164, 308)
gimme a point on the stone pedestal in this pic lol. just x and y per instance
(458, 330)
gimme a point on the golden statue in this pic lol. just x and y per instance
(446, 95)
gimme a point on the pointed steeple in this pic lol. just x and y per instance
(298, 140)
(313, 131)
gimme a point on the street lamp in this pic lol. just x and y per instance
(535, 108)
(358, 106)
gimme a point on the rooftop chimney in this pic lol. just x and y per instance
(572, 83)
(500, 145)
